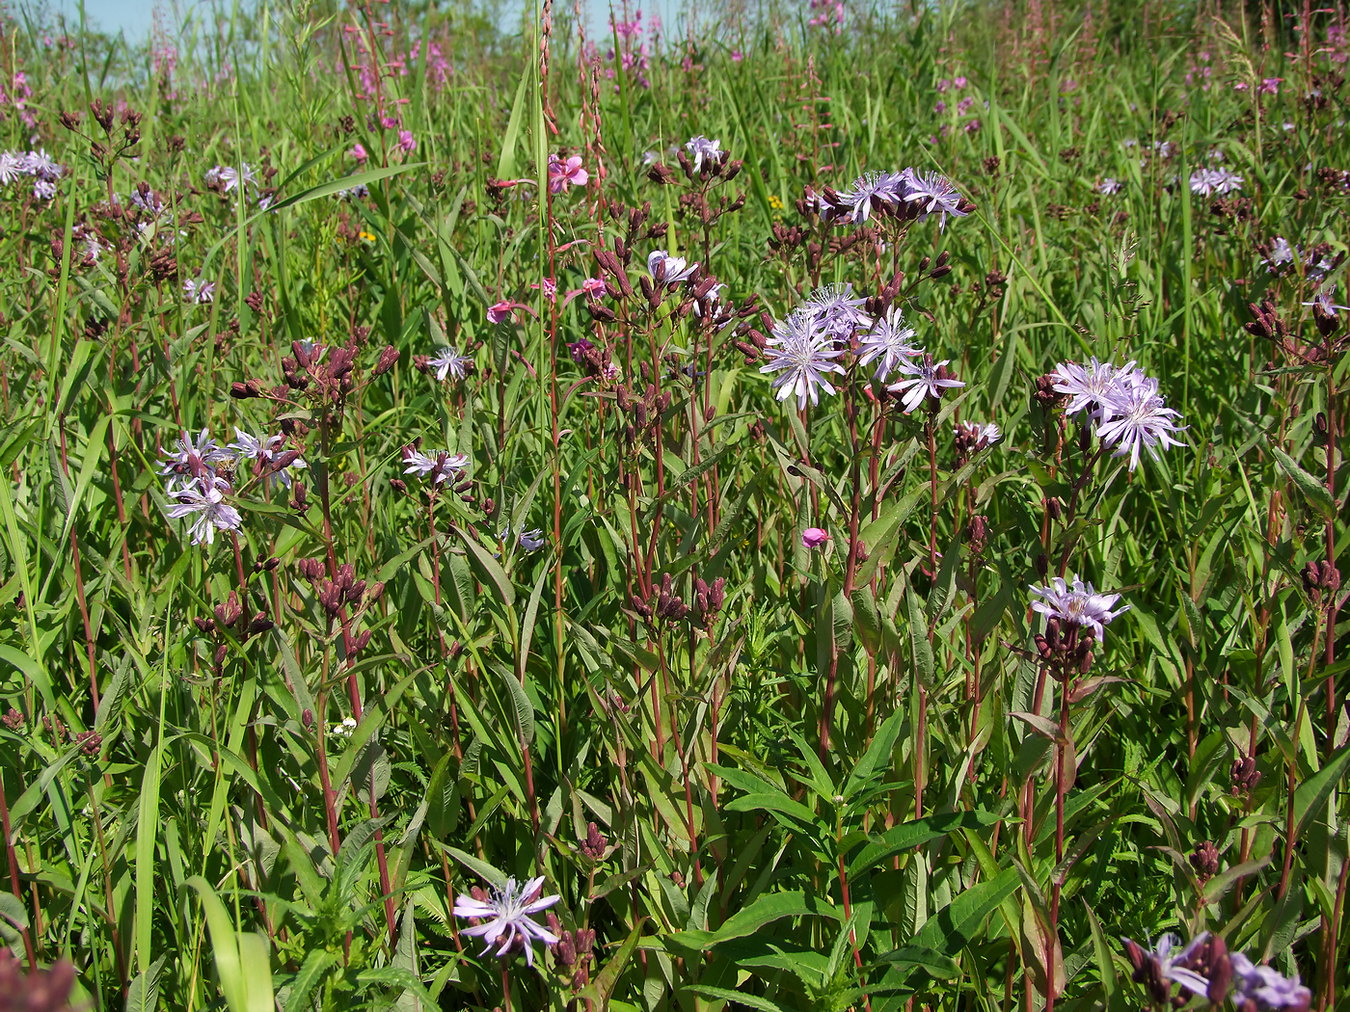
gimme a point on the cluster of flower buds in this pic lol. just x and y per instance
(644, 414)
(13, 720)
(595, 847)
(42, 990)
(1268, 324)
(637, 221)
(1205, 860)
(1065, 649)
(1321, 579)
(572, 951)
(341, 590)
(977, 536)
(708, 599)
(662, 603)
(594, 361)
(127, 125)
(1244, 776)
(695, 206)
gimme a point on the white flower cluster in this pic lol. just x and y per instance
(37, 165)
(201, 473)
(1123, 405)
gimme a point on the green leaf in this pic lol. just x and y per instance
(909, 835)
(955, 925)
(747, 921)
(1312, 488)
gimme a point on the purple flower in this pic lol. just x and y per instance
(263, 450)
(977, 437)
(858, 200)
(1324, 302)
(1094, 387)
(406, 141)
(1138, 419)
(703, 151)
(835, 311)
(500, 311)
(563, 173)
(193, 457)
(677, 270)
(505, 916)
(1207, 182)
(1266, 988)
(924, 379)
(1076, 603)
(439, 465)
(814, 537)
(448, 362)
(934, 193)
(1108, 186)
(198, 291)
(203, 497)
(1281, 254)
(886, 342)
(801, 354)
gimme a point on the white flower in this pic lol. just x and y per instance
(506, 917)
(978, 437)
(439, 466)
(1138, 419)
(448, 362)
(702, 150)
(198, 291)
(1109, 186)
(204, 496)
(676, 269)
(923, 380)
(802, 355)
(886, 342)
(1077, 603)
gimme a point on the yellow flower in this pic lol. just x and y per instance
(365, 236)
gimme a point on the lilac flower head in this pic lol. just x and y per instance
(439, 466)
(263, 450)
(203, 497)
(836, 312)
(1266, 989)
(505, 916)
(857, 201)
(801, 354)
(193, 457)
(1076, 603)
(934, 194)
(449, 362)
(1138, 419)
(924, 379)
(677, 269)
(703, 151)
(977, 437)
(12, 167)
(1281, 254)
(888, 343)
(197, 291)
(1109, 186)
(1166, 964)
(1324, 302)
(1215, 182)
(1093, 387)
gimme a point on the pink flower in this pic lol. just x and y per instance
(595, 288)
(562, 174)
(500, 312)
(737, 56)
(358, 152)
(814, 537)
(1270, 85)
(406, 141)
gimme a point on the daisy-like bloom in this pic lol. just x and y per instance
(886, 342)
(814, 537)
(801, 355)
(923, 380)
(857, 200)
(11, 167)
(439, 466)
(1267, 989)
(39, 163)
(836, 312)
(1109, 186)
(193, 457)
(505, 917)
(977, 437)
(448, 362)
(1324, 302)
(1093, 387)
(203, 498)
(1214, 182)
(198, 291)
(703, 151)
(1138, 419)
(44, 189)
(1281, 254)
(1170, 964)
(677, 269)
(934, 193)
(563, 173)
(1076, 603)
(263, 450)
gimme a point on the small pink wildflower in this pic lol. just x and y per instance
(500, 312)
(359, 152)
(814, 537)
(564, 173)
(406, 140)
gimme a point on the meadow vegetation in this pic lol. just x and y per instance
(805, 509)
